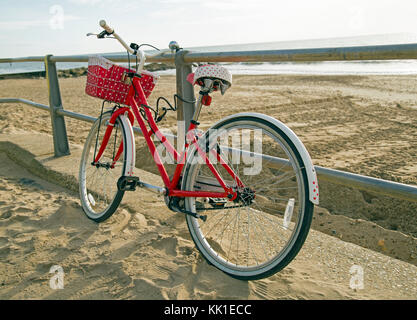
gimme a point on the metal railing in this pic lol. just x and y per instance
(183, 60)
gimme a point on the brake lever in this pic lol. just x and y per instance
(99, 36)
(102, 34)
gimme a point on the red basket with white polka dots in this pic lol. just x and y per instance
(108, 81)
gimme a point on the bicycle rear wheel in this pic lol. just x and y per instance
(261, 231)
(99, 194)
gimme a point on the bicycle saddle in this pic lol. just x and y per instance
(221, 76)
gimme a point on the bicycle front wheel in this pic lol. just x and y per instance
(260, 232)
(99, 194)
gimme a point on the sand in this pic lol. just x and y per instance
(358, 124)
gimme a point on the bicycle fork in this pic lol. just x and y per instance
(126, 120)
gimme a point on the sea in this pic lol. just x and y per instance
(369, 67)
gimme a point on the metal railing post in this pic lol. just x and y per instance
(185, 90)
(59, 131)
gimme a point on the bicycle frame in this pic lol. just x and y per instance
(171, 186)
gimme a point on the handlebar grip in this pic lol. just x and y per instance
(104, 25)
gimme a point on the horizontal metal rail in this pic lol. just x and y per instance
(163, 57)
(388, 188)
(380, 186)
(75, 115)
(24, 101)
(381, 52)
(86, 118)
(66, 113)
(23, 59)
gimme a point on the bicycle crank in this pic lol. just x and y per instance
(195, 215)
(177, 205)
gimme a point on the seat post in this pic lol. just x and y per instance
(198, 107)
(208, 86)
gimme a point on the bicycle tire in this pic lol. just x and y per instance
(89, 195)
(214, 251)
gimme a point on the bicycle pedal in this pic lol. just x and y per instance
(126, 183)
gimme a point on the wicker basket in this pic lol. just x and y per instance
(106, 80)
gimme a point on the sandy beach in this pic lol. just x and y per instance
(359, 124)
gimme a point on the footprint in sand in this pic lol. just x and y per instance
(23, 210)
(119, 222)
(6, 215)
(261, 290)
(69, 215)
(30, 182)
(18, 218)
(3, 241)
(138, 222)
(171, 275)
(146, 289)
(75, 243)
(124, 251)
(168, 245)
(4, 252)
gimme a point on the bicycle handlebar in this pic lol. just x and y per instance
(104, 25)
(139, 53)
(109, 30)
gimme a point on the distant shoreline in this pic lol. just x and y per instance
(76, 72)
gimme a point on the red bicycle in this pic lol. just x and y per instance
(247, 186)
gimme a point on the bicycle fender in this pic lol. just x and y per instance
(130, 145)
(305, 156)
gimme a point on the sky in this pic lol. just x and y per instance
(37, 28)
